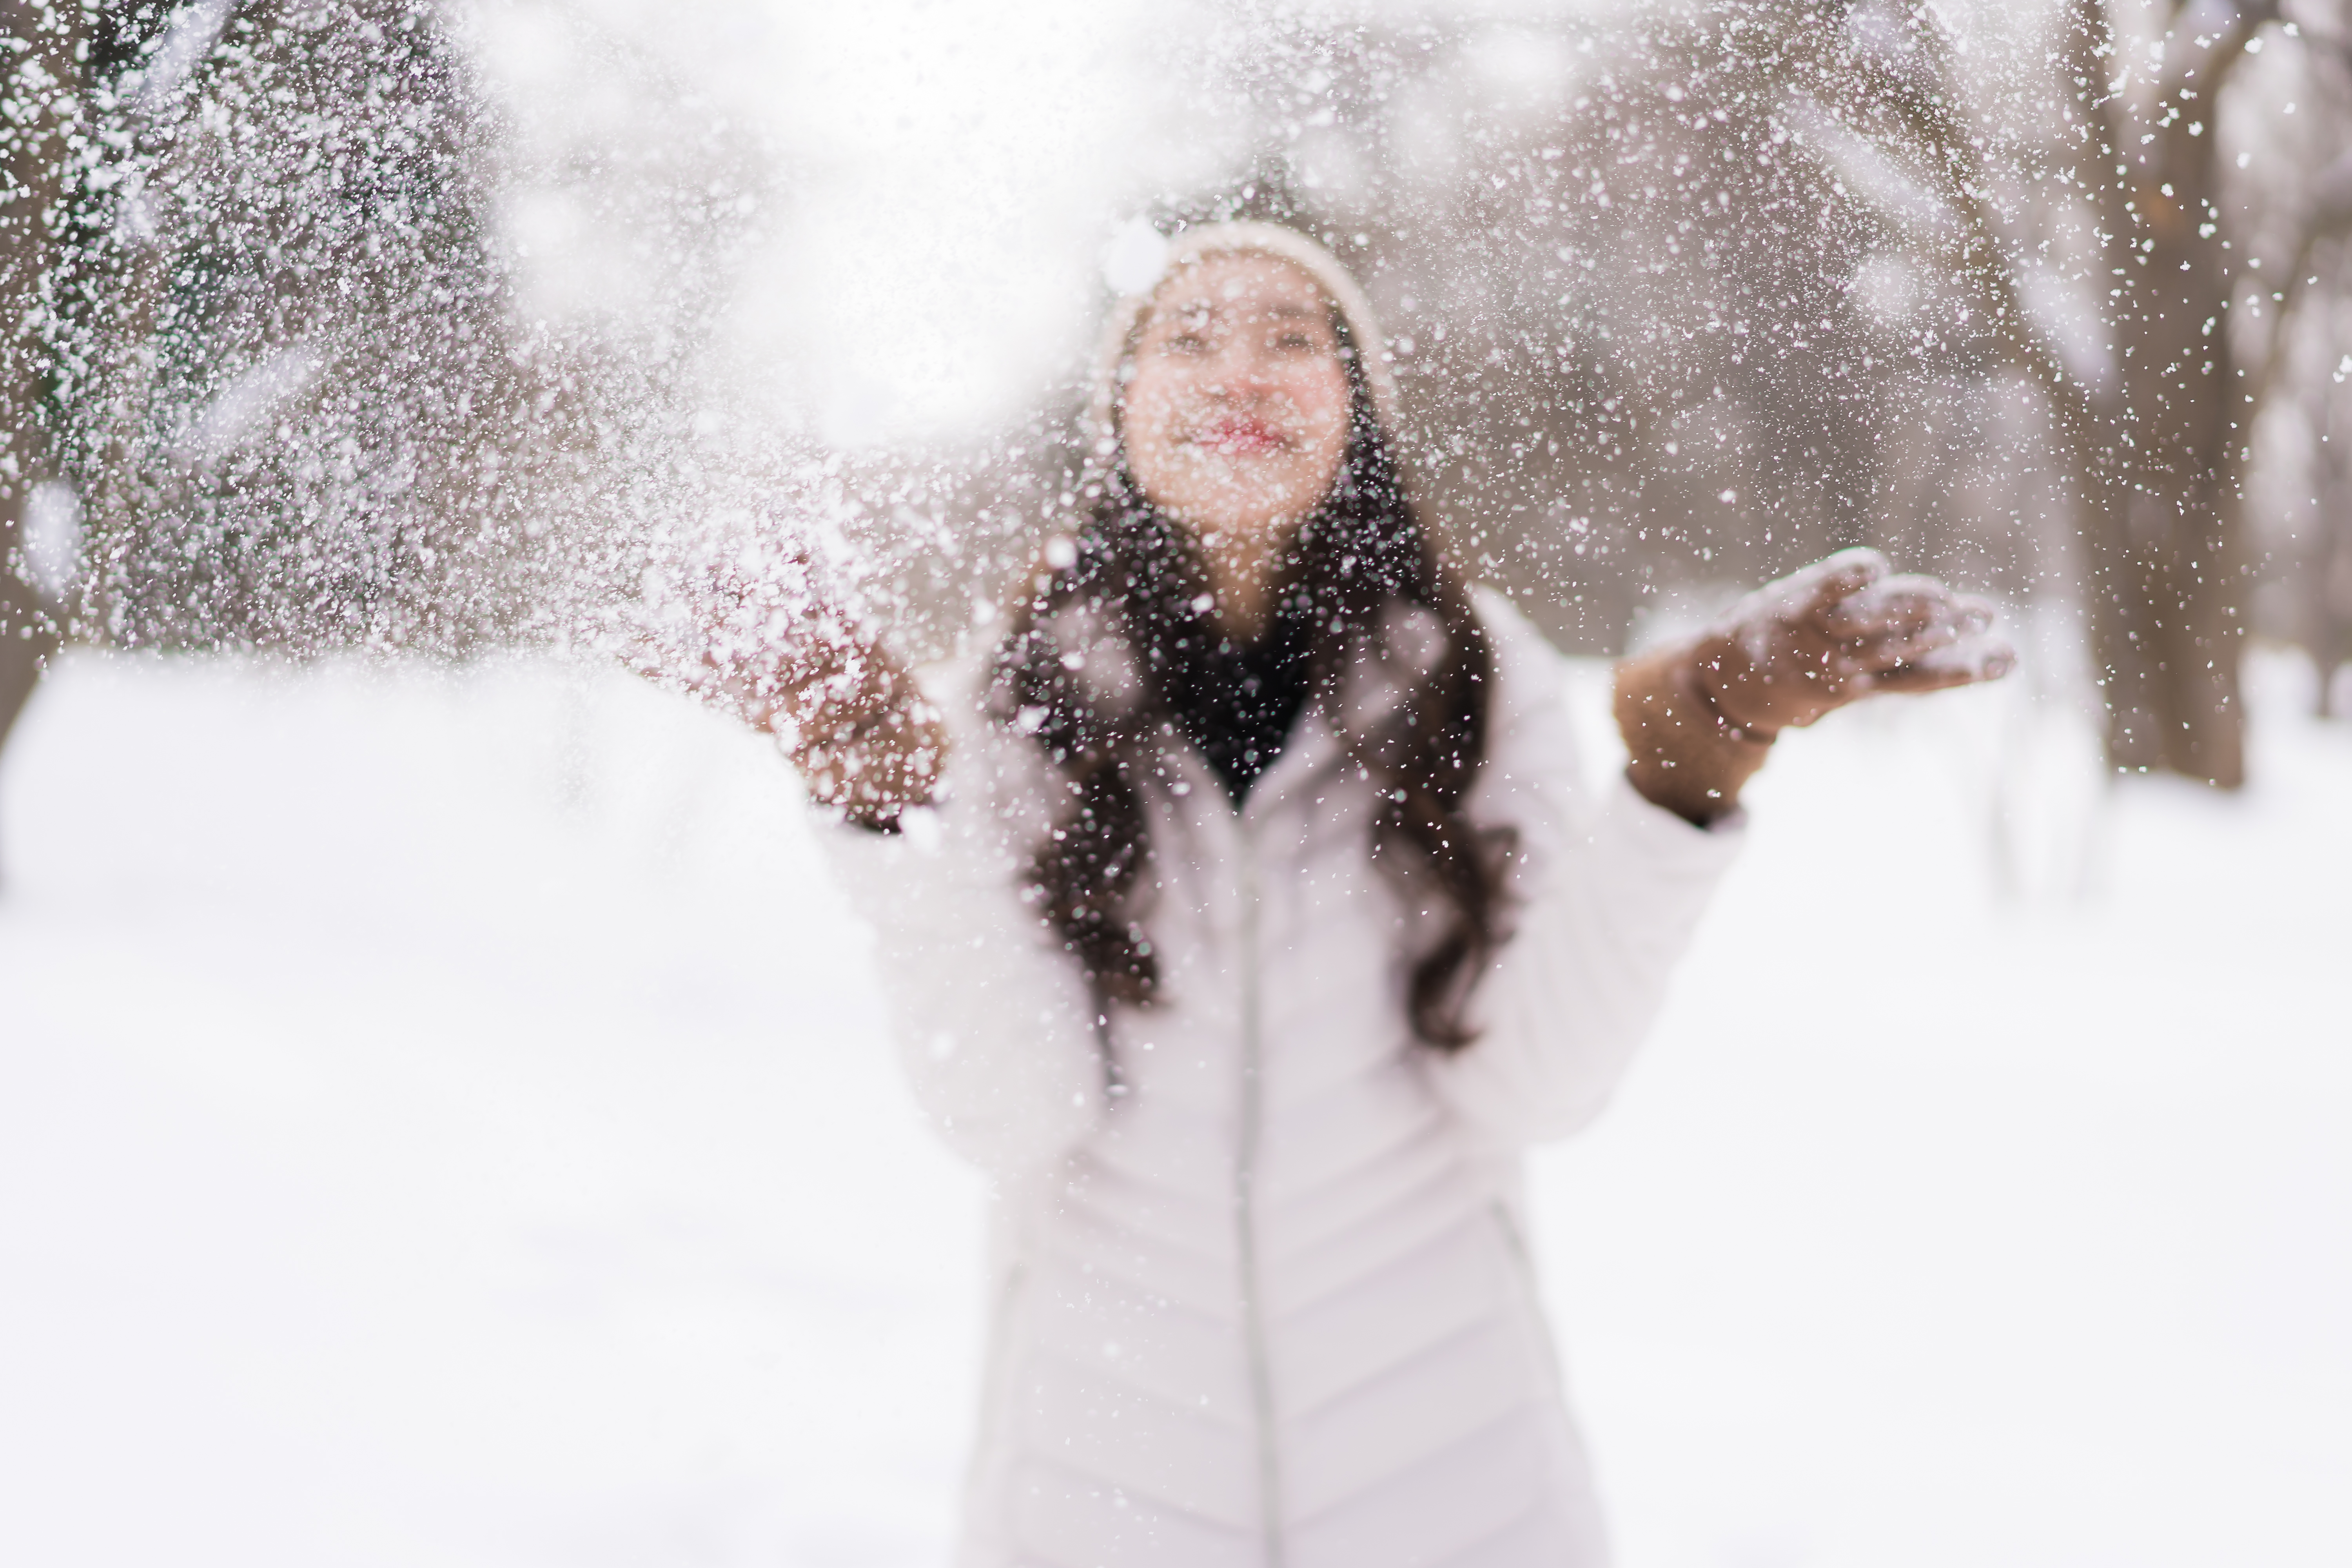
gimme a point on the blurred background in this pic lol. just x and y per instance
(444, 1114)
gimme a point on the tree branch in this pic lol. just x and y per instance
(2329, 216)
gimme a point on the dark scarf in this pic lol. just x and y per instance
(1238, 702)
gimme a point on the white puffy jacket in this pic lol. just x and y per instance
(1262, 1300)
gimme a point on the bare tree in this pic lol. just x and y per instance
(41, 47)
(270, 331)
(2325, 574)
(2304, 366)
(2159, 423)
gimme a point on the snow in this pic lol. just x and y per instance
(904, 159)
(445, 1119)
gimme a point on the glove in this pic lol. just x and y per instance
(1700, 716)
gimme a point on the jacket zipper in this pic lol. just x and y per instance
(1269, 1470)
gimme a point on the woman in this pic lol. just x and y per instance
(1243, 915)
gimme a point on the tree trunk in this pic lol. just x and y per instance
(2166, 565)
(2327, 572)
(42, 51)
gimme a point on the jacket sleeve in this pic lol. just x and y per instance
(1608, 891)
(992, 1018)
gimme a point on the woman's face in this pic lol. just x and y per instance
(1236, 414)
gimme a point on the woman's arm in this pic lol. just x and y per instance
(1611, 890)
(992, 1020)
(1699, 716)
(1606, 892)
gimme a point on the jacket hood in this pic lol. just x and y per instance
(1189, 245)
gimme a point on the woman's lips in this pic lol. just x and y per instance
(1240, 437)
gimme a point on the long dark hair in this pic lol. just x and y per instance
(1127, 608)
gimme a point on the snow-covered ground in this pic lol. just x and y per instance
(444, 1121)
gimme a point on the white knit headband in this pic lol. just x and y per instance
(1288, 244)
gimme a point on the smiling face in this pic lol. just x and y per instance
(1235, 417)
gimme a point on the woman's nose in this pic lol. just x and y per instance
(1242, 370)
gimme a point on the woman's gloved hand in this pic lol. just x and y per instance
(1699, 716)
(765, 638)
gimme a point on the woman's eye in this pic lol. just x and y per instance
(1294, 342)
(1186, 343)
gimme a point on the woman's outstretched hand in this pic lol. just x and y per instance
(761, 641)
(854, 723)
(1699, 716)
